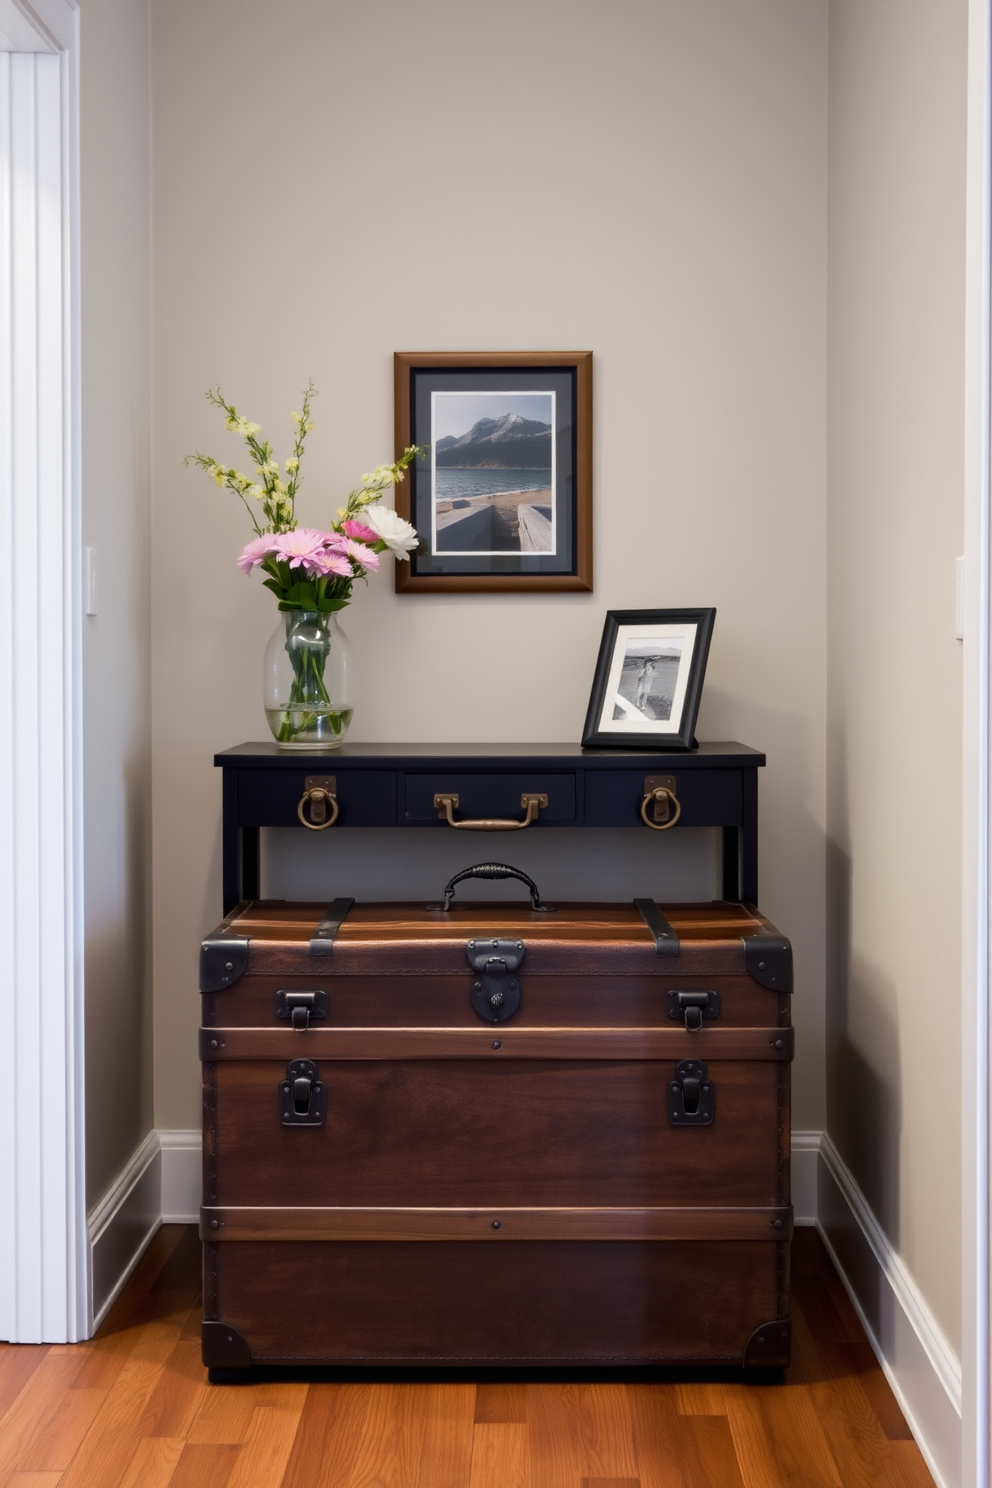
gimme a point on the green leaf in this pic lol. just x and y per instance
(303, 595)
(275, 586)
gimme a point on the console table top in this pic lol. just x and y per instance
(707, 756)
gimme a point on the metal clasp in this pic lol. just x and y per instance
(690, 1095)
(302, 1096)
(495, 991)
(695, 1006)
(299, 1007)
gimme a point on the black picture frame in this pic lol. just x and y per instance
(627, 665)
(487, 560)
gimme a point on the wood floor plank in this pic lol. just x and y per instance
(178, 1395)
(499, 1455)
(611, 1483)
(36, 1414)
(262, 1459)
(779, 1440)
(34, 1480)
(329, 1435)
(577, 1431)
(153, 1462)
(224, 1416)
(18, 1362)
(203, 1466)
(397, 1434)
(702, 1398)
(909, 1468)
(448, 1438)
(500, 1402)
(56, 1446)
(389, 1441)
(860, 1361)
(678, 1449)
(110, 1442)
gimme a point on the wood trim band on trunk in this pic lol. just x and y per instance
(270, 1224)
(497, 1041)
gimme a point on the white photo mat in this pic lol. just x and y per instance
(634, 640)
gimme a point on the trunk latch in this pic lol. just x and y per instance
(690, 1095)
(694, 1007)
(302, 1096)
(495, 991)
(299, 1008)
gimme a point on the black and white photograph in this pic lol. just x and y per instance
(493, 472)
(649, 679)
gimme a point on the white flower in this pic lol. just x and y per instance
(397, 534)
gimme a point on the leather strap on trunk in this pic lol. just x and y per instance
(666, 942)
(322, 941)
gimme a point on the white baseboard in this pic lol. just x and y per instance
(805, 1171)
(919, 1363)
(122, 1224)
(181, 1176)
(161, 1183)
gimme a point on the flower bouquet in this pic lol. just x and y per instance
(311, 572)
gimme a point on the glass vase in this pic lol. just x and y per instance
(307, 689)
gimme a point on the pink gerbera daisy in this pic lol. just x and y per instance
(358, 529)
(300, 548)
(257, 551)
(326, 561)
(363, 555)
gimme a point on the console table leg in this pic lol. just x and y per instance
(231, 842)
(749, 838)
(731, 863)
(251, 868)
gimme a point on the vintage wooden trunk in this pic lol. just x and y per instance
(496, 1135)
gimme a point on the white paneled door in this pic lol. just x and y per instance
(44, 1292)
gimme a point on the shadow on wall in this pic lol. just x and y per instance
(864, 1107)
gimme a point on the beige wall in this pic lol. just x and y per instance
(646, 178)
(115, 450)
(896, 207)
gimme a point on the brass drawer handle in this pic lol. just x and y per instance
(661, 793)
(320, 789)
(447, 802)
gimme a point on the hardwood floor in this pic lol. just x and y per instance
(133, 1409)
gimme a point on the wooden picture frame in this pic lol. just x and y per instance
(479, 533)
(649, 679)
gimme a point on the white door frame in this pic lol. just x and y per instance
(976, 837)
(44, 1251)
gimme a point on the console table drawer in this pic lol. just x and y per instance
(487, 796)
(271, 798)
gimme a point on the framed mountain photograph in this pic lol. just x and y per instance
(501, 490)
(649, 679)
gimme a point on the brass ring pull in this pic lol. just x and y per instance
(446, 802)
(318, 796)
(662, 793)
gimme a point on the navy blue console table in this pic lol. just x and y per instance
(405, 785)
